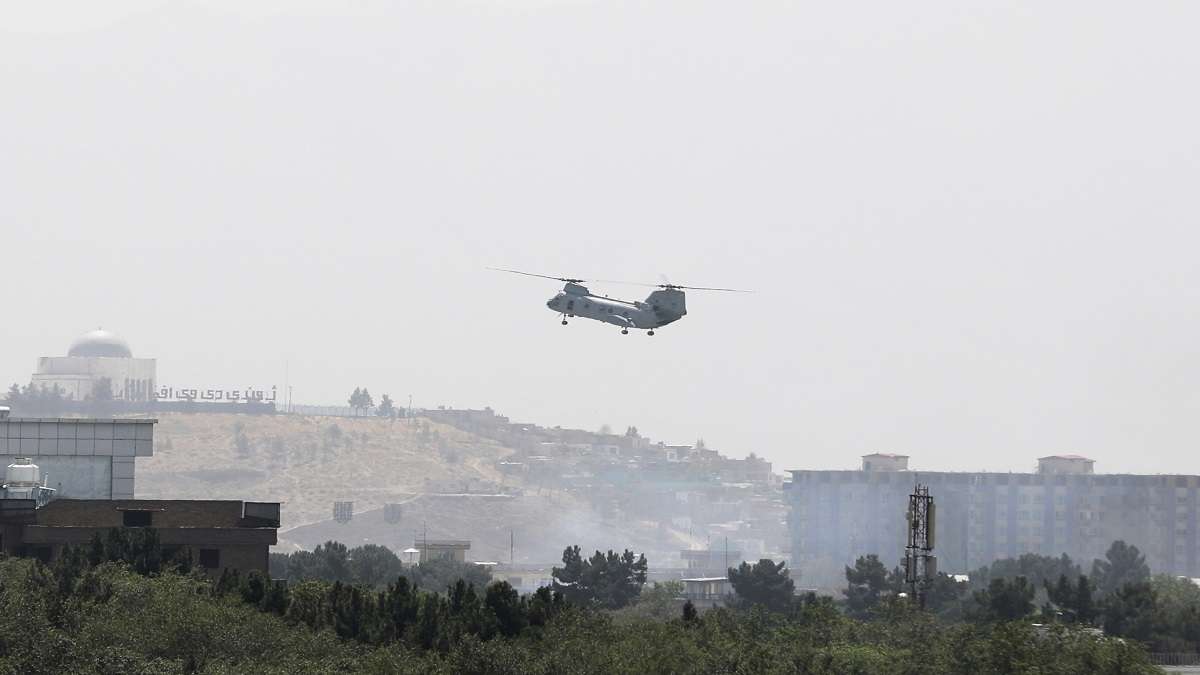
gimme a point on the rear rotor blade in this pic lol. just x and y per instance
(705, 288)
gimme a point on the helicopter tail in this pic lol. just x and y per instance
(668, 305)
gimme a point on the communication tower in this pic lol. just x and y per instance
(920, 565)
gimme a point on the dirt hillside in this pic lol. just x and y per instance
(445, 480)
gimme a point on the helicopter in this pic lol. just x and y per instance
(663, 306)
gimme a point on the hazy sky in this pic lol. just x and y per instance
(972, 228)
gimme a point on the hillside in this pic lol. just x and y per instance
(444, 478)
(309, 462)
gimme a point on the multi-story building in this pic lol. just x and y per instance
(836, 516)
(70, 479)
(217, 535)
(79, 457)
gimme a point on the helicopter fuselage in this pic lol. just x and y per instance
(659, 308)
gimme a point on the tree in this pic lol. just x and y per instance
(630, 432)
(373, 565)
(764, 583)
(943, 596)
(605, 430)
(657, 601)
(867, 583)
(361, 400)
(438, 575)
(1037, 569)
(690, 615)
(1131, 612)
(1004, 600)
(387, 408)
(14, 395)
(509, 608)
(608, 580)
(1123, 564)
(328, 562)
(102, 391)
(1073, 599)
(1177, 603)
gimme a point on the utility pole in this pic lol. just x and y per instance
(920, 565)
(512, 547)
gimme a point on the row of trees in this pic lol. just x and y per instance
(372, 566)
(120, 605)
(327, 589)
(1119, 595)
(605, 580)
(363, 403)
(108, 618)
(33, 400)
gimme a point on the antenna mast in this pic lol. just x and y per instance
(920, 565)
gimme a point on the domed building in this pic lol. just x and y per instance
(94, 357)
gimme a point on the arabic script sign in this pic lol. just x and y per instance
(225, 395)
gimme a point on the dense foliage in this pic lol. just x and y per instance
(110, 619)
(765, 583)
(605, 580)
(1162, 613)
(372, 565)
(118, 605)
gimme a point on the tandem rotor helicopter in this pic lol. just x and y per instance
(661, 307)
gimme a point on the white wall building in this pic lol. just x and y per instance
(93, 357)
(80, 458)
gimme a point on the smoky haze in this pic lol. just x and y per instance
(971, 229)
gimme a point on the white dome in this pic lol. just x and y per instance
(100, 343)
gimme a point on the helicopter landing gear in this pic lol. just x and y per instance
(564, 322)
(650, 333)
(624, 331)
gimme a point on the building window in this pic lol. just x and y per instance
(136, 518)
(210, 558)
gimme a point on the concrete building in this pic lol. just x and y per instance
(218, 535)
(836, 516)
(80, 458)
(711, 562)
(707, 592)
(93, 357)
(442, 549)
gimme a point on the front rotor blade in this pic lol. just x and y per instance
(541, 276)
